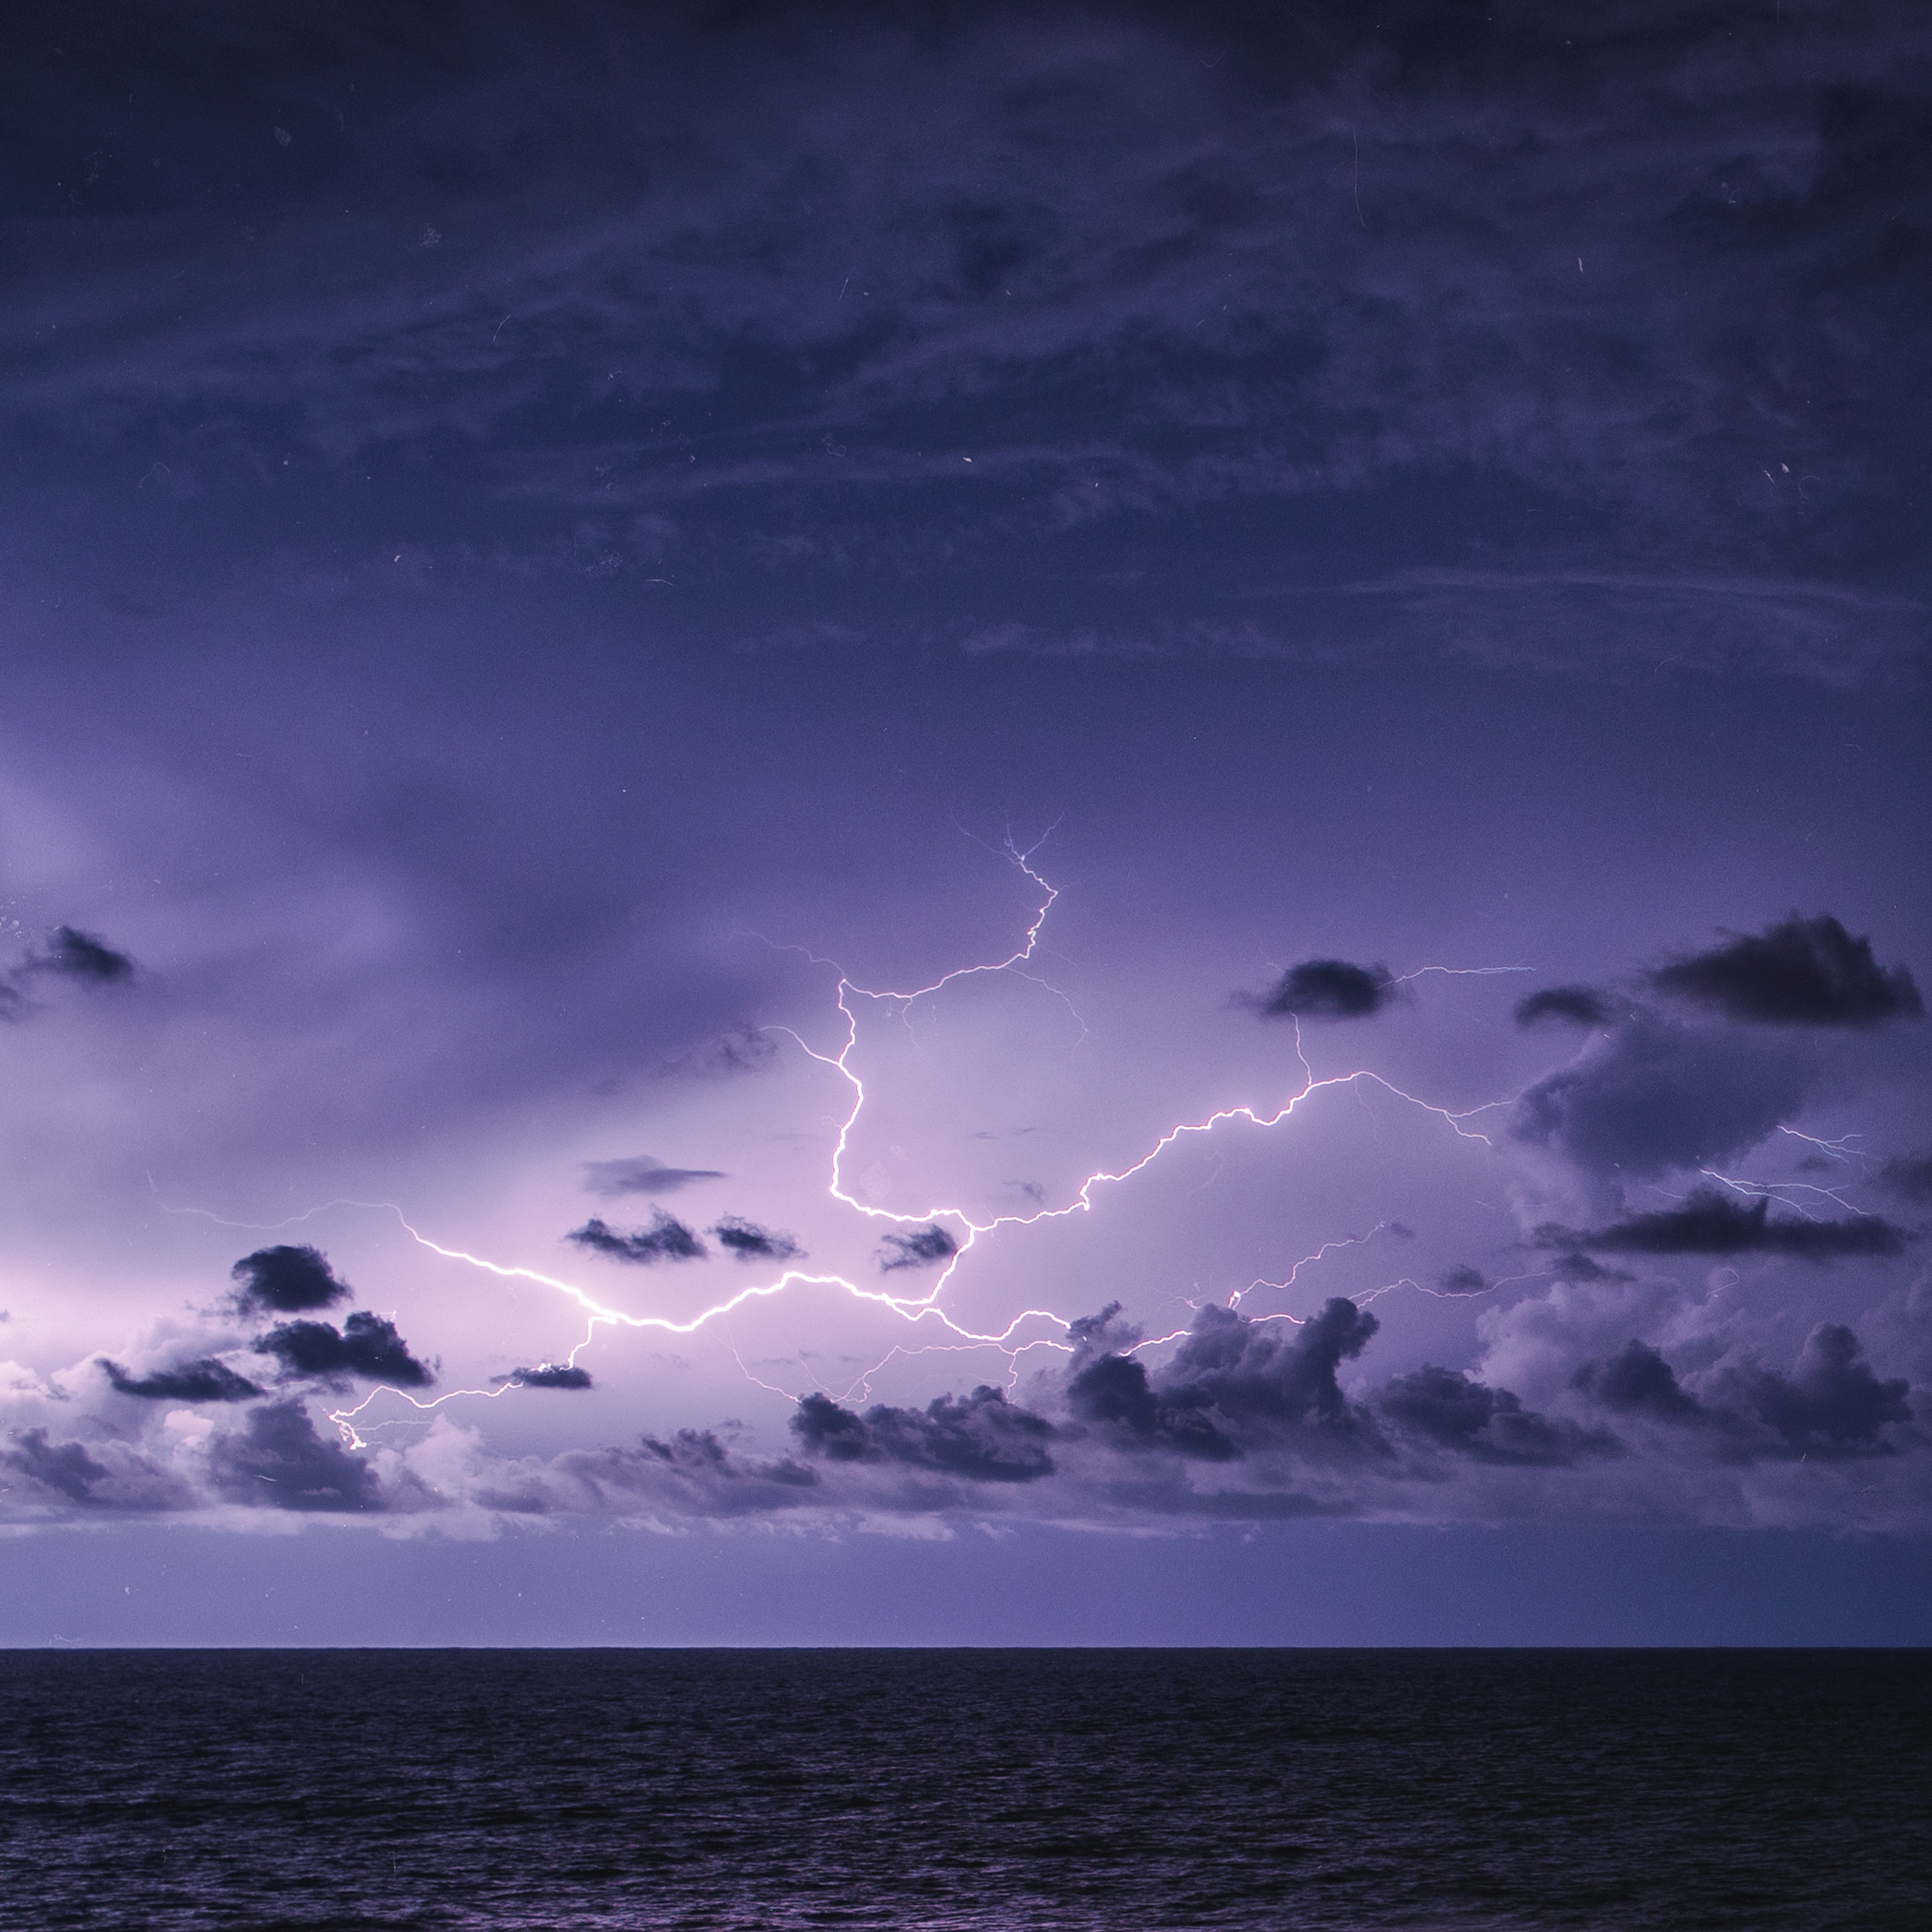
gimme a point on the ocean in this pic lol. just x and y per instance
(1765, 1791)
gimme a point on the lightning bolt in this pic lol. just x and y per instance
(916, 1308)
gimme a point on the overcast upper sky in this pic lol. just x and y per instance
(908, 772)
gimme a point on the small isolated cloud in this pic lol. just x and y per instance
(1799, 972)
(288, 1281)
(204, 1381)
(548, 1375)
(366, 1345)
(1655, 1094)
(922, 1248)
(1710, 1223)
(279, 1462)
(981, 1437)
(642, 1174)
(748, 1242)
(1330, 989)
(1566, 1006)
(76, 955)
(666, 1239)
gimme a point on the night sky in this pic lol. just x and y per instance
(831, 815)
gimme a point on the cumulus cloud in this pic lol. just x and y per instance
(366, 1345)
(1568, 1005)
(1797, 973)
(287, 1281)
(1330, 989)
(746, 1241)
(1710, 1223)
(208, 1380)
(1655, 1094)
(924, 1247)
(666, 1239)
(981, 1437)
(640, 1173)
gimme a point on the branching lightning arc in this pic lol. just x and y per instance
(916, 1308)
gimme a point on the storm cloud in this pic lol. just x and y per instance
(1797, 973)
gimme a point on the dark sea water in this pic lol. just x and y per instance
(1760, 1790)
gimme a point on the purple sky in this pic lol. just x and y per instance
(780, 794)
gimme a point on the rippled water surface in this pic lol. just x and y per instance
(1755, 1789)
